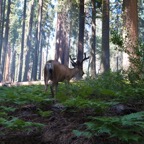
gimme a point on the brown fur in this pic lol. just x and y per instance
(57, 72)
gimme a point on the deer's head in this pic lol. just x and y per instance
(78, 64)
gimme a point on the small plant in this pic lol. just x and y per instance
(7, 109)
(128, 128)
(45, 113)
(18, 124)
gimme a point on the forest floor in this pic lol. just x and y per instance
(58, 125)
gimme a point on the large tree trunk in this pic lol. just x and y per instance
(81, 31)
(22, 43)
(62, 44)
(29, 45)
(3, 39)
(131, 29)
(2, 18)
(37, 43)
(6, 53)
(65, 43)
(93, 41)
(105, 36)
(66, 53)
(40, 44)
(13, 66)
(58, 36)
(1, 28)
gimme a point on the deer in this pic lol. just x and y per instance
(55, 72)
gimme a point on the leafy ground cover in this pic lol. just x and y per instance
(106, 110)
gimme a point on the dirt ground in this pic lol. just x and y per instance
(58, 127)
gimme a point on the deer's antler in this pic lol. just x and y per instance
(85, 58)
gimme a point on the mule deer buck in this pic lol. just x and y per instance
(57, 72)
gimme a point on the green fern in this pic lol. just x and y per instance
(18, 124)
(45, 113)
(127, 128)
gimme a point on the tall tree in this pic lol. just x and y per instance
(2, 6)
(130, 19)
(29, 42)
(58, 36)
(40, 34)
(1, 30)
(6, 46)
(105, 36)
(62, 47)
(93, 40)
(37, 42)
(81, 30)
(13, 66)
(22, 42)
(15, 35)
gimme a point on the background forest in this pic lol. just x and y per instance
(107, 106)
(33, 31)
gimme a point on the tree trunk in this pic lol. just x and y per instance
(105, 36)
(58, 35)
(131, 29)
(93, 42)
(2, 17)
(6, 54)
(29, 45)
(40, 47)
(62, 44)
(1, 28)
(13, 66)
(3, 39)
(81, 31)
(22, 43)
(66, 53)
(37, 43)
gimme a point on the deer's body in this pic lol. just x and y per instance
(57, 72)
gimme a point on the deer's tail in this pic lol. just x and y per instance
(49, 68)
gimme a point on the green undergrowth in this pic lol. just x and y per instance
(15, 123)
(11, 101)
(108, 89)
(97, 94)
(23, 95)
(128, 128)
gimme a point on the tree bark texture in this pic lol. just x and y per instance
(105, 36)
(22, 43)
(130, 31)
(62, 44)
(6, 46)
(93, 41)
(81, 31)
(37, 43)
(29, 44)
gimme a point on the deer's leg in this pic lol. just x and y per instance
(52, 89)
(67, 84)
(56, 87)
(46, 83)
